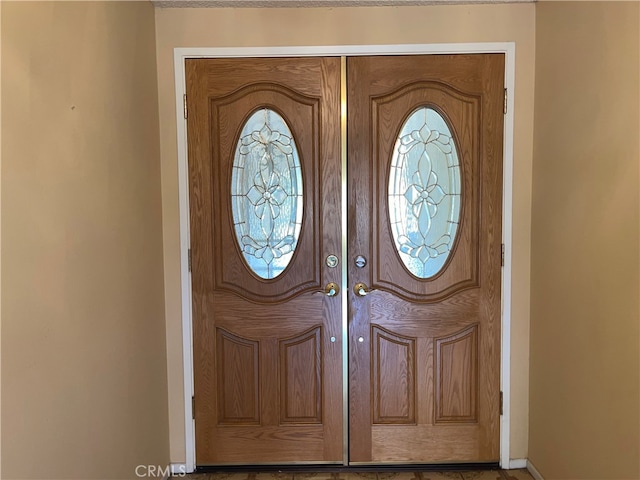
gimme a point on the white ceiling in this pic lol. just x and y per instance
(316, 3)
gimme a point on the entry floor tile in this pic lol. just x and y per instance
(419, 476)
(520, 474)
(482, 475)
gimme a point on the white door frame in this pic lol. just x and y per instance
(181, 54)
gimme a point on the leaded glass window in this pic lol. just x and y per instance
(266, 193)
(424, 192)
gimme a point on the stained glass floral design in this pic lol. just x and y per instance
(266, 191)
(424, 193)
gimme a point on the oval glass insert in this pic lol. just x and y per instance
(424, 193)
(266, 193)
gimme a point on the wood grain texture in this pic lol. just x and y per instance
(462, 113)
(299, 371)
(456, 367)
(393, 379)
(238, 378)
(301, 378)
(467, 90)
(429, 349)
(410, 443)
(228, 115)
(305, 443)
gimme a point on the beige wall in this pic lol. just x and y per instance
(346, 26)
(585, 360)
(83, 338)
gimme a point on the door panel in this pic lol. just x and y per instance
(424, 340)
(268, 379)
(392, 358)
(463, 110)
(424, 352)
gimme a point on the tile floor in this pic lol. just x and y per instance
(521, 474)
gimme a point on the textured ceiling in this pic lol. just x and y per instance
(316, 3)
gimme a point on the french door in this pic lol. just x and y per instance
(423, 238)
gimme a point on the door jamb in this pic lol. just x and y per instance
(181, 54)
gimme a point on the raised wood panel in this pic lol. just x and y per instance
(462, 114)
(301, 378)
(238, 379)
(456, 366)
(393, 377)
(228, 114)
(467, 90)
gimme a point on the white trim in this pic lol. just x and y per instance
(507, 222)
(185, 275)
(181, 54)
(517, 463)
(534, 471)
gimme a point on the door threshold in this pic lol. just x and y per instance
(337, 468)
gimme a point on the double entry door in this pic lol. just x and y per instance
(346, 266)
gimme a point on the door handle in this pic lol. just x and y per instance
(331, 290)
(361, 289)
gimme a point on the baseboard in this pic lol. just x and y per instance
(534, 471)
(178, 470)
(517, 463)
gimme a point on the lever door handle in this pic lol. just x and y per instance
(361, 289)
(331, 290)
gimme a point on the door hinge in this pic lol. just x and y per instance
(502, 255)
(189, 258)
(184, 103)
(193, 407)
(504, 108)
(501, 403)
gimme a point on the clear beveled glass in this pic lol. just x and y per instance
(266, 193)
(424, 193)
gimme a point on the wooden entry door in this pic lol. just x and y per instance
(425, 177)
(264, 173)
(423, 290)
